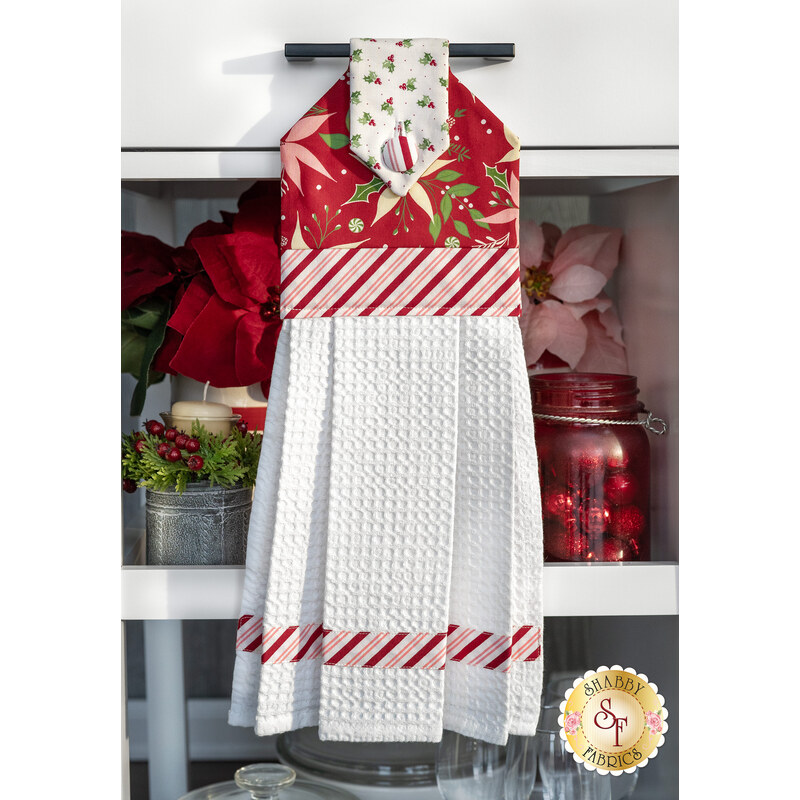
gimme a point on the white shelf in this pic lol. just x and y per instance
(569, 590)
(248, 164)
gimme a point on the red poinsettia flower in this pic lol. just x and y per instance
(151, 268)
(226, 323)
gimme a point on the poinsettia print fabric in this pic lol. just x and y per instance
(399, 106)
(468, 197)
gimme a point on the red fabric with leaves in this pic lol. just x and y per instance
(468, 198)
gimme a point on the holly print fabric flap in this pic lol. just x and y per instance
(467, 197)
(398, 106)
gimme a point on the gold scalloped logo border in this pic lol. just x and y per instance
(613, 720)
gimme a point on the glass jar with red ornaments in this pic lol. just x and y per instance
(594, 466)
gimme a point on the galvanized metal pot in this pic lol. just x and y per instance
(204, 525)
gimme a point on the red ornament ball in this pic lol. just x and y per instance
(594, 516)
(617, 459)
(170, 434)
(163, 449)
(557, 502)
(615, 550)
(154, 427)
(140, 445)
(627, 522)
(620, 488)
(195, 463)
(591, 461)
(173, 454)
(192, 446)
(180, 441)
(129, 485)
(563, 544)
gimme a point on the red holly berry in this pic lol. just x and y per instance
(378, 80)
(180, 440)
(154, 427)
(431, 148)
(372, 122)
(170, 434)
(129, 485)
(194, 463)
(192, 446)
(173, 454)
(433, 62)
(163, 449)
(390, 58)
(403, 86)
(399, 44)
(140, 446)
(431, 105)
(241, 426)
(390, 101)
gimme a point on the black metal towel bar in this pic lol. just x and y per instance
(491, 51)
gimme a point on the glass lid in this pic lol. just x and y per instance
(266, 782)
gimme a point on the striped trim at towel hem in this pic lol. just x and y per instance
(388, 650)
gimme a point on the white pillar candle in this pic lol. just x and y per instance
(197, 409)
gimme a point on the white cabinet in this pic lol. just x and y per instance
(211, 74)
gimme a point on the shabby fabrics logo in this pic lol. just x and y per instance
(613, 720)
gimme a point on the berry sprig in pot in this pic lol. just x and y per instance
(164, 458)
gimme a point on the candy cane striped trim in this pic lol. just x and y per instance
(404, 281)
(386, 650)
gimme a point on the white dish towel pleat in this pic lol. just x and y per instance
(390, 523)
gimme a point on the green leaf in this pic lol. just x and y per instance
(447, 207)
(477, 218)
(462, 189)
(447, 175)
(364, 190)
(347, 121)
(336, 141)
(154, 340)
(435, 228)
(498, 178)
(132, 351)
(461, 227)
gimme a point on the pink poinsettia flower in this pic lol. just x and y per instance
(566, 316)
(293, 154)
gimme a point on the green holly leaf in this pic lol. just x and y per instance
(336, 141)
(447, 175)
(447, 207)
(462, 189)
(498, 178)
(364, 190)
(477, 218)
(461, 227)
(435, 228)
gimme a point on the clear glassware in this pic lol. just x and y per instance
(622, 786)
(560, 773)
(397, 765)
(594, 786)
(267, 782)
(521, 767)
(470, 769)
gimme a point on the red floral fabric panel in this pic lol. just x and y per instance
(468, 198)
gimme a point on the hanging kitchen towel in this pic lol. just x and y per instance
(397, 554)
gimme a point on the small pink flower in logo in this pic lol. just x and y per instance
(653, 721)
(572, 723)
